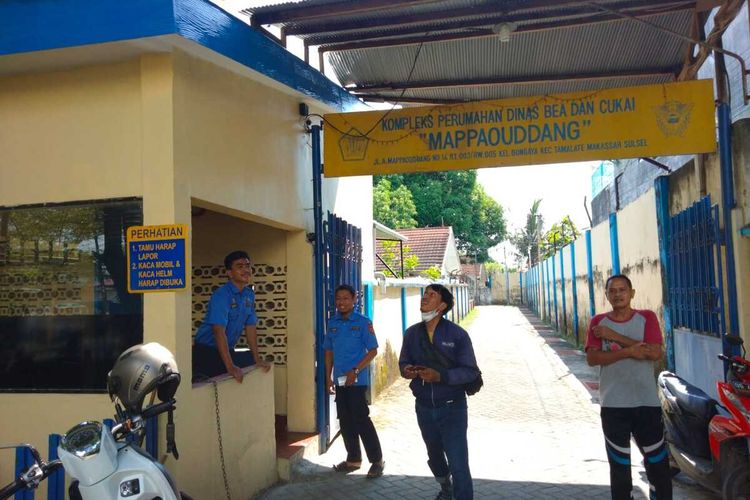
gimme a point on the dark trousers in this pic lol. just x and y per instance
(207, 362)
(354, 417)
(444, 433)
(646, 427)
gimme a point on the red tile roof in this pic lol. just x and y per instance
(474, 270)
(428, 243)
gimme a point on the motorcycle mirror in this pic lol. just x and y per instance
(734, 340)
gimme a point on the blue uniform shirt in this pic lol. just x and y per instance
(231, 308)
(350, 339)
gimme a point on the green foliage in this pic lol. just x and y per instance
(411, 261)
(560, 234)
(526, 240)
(469, 319)
(391, 256)
(493, 267)
(54, 227)
(454, 199)
(432, 273)
(393, 207)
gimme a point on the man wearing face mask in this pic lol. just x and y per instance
(439, 391)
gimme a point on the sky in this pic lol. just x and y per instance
(562, 188)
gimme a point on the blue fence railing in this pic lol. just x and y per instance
(541, 291)
(695, 281)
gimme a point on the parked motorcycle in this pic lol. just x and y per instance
(707, 440)
(107, 463)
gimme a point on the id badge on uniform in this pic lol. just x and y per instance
(342, 380)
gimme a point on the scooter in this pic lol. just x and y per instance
(108, 463)
(707, 440)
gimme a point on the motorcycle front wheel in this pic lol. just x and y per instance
(736, 484)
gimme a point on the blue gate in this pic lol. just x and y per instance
(694, 254)
(342, 264)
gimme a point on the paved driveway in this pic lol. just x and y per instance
(533, 429)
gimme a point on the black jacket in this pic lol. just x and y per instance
(454, 343)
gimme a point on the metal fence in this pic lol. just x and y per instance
(343, 262)
(694, 255)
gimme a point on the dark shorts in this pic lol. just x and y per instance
(207, 362)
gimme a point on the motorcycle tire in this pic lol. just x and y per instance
(736, 484)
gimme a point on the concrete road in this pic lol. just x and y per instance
(534, 429)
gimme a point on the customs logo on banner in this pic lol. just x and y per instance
(633, 122)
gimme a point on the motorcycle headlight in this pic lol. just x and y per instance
(83, 440)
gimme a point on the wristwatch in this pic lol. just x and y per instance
(355, 370)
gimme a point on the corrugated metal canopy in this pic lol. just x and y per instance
(437, 51)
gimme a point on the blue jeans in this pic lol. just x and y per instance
(444, 433)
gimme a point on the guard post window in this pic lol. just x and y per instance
(65, 312)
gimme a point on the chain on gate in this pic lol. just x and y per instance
(221, 443)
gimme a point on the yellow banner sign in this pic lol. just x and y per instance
(653, 120)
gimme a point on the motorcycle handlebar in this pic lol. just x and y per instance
(51, 467)
(12, 488)
(21, 483)
(735, 361)
(158, 409)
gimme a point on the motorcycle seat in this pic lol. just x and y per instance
(690, 398)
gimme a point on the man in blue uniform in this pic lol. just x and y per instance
(230, 314)
(439, 390)
(350, 344)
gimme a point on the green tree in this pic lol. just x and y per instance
(526, 240)
(393, 207)
(455, 199)
(493, 267)
(433, 273)
(560, 234)
(392, 258)
(487, 226)
(54, 226)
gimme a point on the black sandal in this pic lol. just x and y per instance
(346, 467)
(376, 470)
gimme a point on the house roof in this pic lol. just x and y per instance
(473, 270)
(427, 243)
(383, 232)
(447, 51)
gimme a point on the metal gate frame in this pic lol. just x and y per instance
(695, 261)
(342, 265)
(337, 261)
